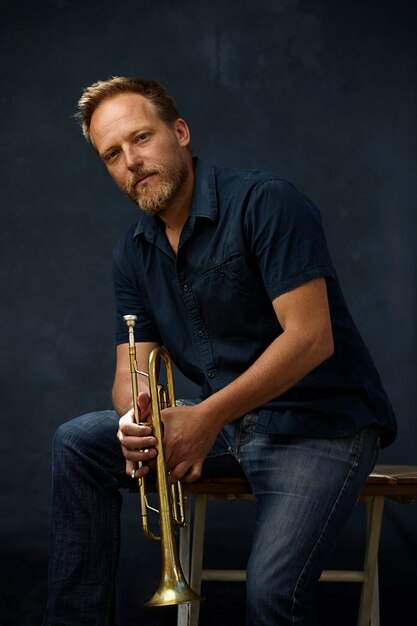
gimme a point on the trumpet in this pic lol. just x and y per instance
(173, 588)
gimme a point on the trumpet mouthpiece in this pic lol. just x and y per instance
(130, 319)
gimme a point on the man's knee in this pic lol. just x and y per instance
(82, 433)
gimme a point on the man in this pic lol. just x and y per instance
(230, 271)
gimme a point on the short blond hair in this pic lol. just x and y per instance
(153, 91)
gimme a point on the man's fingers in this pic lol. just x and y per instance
(129, 429)
(134, 471)
(185, 473)
(130, 468)
(143, 454)
(136, 441)
(144, 404)
(193, 473)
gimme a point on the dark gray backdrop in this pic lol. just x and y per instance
(324, 93)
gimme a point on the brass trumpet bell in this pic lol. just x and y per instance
(172, 588)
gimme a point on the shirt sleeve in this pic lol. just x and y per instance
(285, 233)
(129, 299)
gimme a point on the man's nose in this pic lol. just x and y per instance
(133, 158)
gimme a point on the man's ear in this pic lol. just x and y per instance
(183, 132)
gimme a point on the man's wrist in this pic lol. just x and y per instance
(121, 408)
(214, 410)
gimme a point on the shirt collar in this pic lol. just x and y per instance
(203, 201)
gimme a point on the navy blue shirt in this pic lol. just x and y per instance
(250, 237)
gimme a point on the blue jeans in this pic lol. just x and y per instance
(305, 491)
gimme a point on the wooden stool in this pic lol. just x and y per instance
(395, 482)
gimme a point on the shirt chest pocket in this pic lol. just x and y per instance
(230, 280)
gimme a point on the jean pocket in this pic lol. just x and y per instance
(246, 428)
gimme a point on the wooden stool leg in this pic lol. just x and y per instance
(183, 615)
(375, 600)
(375, 506)
(200, 506)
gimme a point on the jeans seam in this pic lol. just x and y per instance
(353, 466)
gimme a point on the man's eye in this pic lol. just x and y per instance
(142, 137)
(111, 155)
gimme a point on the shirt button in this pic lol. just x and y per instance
(185, 287)
(200, 333)
(211, 374)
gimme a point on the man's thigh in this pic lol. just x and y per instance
(305, 491)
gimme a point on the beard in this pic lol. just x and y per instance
(155, 196)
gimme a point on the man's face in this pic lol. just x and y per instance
(146, 158)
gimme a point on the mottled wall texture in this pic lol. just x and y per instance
(324, 93)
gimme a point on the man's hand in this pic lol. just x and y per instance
(188, 437)
(137, 441)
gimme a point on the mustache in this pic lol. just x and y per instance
(142, 173)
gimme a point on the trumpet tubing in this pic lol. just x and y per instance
(173, 588)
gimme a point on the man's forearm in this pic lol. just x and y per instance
(286, 361)
(122, 398)
(122, 394)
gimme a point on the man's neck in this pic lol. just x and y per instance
(177, 214)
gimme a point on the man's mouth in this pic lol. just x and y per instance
(141, 180)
